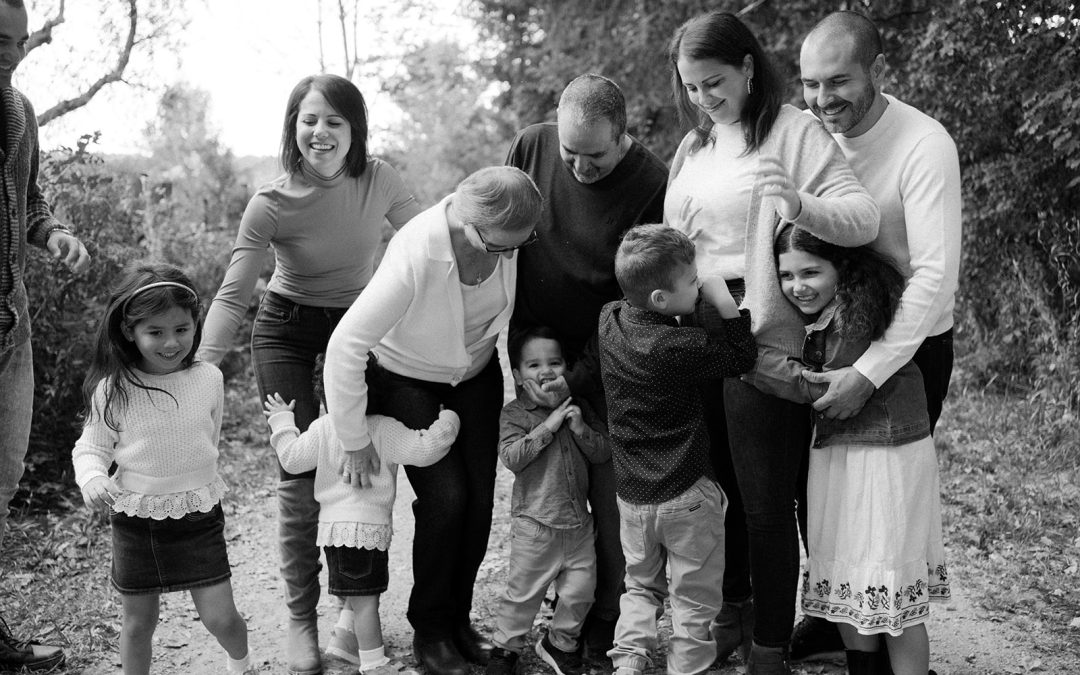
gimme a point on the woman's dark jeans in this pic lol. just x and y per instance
(770, 441)
(454, 496)
(285, 340)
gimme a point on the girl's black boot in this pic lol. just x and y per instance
(864, 663)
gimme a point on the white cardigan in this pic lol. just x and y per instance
(412, 315)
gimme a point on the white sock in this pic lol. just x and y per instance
(238, 665)
(345, 620)
(373, 658)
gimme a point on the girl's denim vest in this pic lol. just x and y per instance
(896, 412)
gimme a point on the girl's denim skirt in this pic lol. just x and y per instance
(174, 554)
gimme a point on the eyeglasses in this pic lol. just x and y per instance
(532, 238)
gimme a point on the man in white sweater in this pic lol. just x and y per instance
(909, 164)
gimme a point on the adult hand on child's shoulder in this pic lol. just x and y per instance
(67, 248)
(849, 390)
(548, 395)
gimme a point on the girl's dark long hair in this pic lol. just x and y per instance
(115, 356)
(869, 283)
(723, 37)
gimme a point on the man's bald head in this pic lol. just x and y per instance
(852, 27)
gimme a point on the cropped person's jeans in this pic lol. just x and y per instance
(769, 439)
(285, 340)
(16, 409)
(454, 497)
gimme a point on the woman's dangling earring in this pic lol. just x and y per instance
(750, 85)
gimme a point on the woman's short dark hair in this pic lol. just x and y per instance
(722, 36)
(343, 96)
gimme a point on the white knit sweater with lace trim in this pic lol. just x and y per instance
(166, 448)
(349, 516)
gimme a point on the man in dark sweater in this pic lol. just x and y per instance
(25, 218)
(597, 182)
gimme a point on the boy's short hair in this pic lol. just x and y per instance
(649, 258)
(517, 342)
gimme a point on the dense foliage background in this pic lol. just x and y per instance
(1002, 76)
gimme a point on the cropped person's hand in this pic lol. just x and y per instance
(274, 404)
(358, 466)
(575, 420)
(558, 415)
(548, 395)
(687, 213)
(777, 183)
(67, 248)
(716, 292)
(848, 392)
(100, 493)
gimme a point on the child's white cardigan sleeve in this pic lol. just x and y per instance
(399, 444)
(394, 442)
(93, 453)
(297, 452)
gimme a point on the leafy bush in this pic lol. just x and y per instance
(108, 213)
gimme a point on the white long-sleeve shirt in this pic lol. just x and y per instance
(415, 316)
(348, 516)
(909, 164)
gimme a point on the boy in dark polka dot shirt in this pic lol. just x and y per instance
(672, 510)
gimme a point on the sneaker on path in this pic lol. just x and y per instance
(563, 663)
(502, 662)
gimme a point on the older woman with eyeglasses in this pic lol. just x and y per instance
(431, 316)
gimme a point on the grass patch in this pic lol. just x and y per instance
(1011, 502)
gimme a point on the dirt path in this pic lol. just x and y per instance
(964, 640)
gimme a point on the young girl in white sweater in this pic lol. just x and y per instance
(356, 524)
(156, 412)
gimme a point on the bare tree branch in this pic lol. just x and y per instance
(356, 44)
(322, 55)
(43, 35)
(750, 8)
(115, 75)
(345, 39)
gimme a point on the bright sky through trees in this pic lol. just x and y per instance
(247, 54)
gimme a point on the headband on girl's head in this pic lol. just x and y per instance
(159, 284)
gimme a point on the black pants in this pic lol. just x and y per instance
(935, 361)
(454, 496)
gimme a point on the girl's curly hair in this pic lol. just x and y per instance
(869, 282)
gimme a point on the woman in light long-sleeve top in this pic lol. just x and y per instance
(431, 316)
(749, 163)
